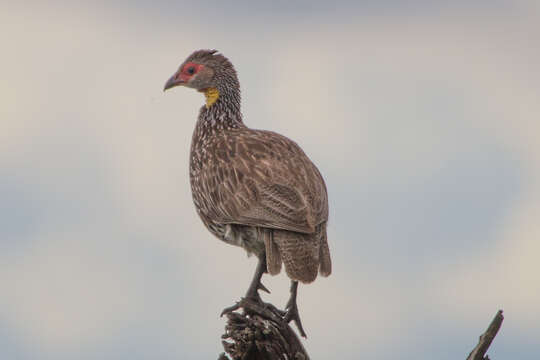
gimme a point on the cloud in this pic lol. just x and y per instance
(425, 130)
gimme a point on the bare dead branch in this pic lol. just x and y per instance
(486, 338)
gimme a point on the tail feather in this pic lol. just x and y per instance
(325, 263)
(300, 254)
(273, 256)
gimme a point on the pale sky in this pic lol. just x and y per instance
(423, 119)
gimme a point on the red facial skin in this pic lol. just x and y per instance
(185, 73)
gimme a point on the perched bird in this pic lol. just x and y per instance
(253, 188)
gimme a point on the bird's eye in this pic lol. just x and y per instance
(189, 69)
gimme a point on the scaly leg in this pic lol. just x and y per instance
(253, 290)
(256, 285)
(292, 309)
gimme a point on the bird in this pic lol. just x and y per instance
(255, 189)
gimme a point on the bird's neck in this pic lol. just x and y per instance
(222, 108)
(220, 113)
(223, 97)
(212, 95)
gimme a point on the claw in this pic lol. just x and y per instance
(291, 308)
(263, 288)
(293, 315)
(230, 309)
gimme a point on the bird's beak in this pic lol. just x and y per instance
(172, 82)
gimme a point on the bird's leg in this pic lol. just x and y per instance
(252, 293)
(292, 309)
(256, 285)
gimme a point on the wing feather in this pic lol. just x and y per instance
(261, 178)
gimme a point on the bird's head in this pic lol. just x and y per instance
(207, 72)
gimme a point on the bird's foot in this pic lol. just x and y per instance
(230, 309)
(253, 292)
(252, 298)
(291, 309)
(292, 314)
(253, 303)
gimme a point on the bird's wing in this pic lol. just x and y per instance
(261, 178)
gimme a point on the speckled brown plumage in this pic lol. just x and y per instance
(253, 188)
(251, 178)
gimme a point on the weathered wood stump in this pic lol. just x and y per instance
(258, 332)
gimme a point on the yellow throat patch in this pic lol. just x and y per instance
(212, 94)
